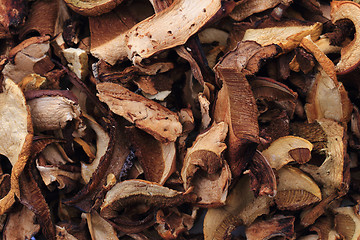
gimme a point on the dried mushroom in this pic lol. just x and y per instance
(87, 8)
(347, 222)
(288, 149)
(347, 10)
(205, 157)
(148, 115)
(295, 189)
(16, 144)
(99, 228)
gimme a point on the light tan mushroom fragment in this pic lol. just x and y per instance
(347, 222)
(279, 152)
(206, 155)
(53, 112)
(21, 224)
(331, 173)
(147, 115)
(134, 191)
(349, 53)
(51, 174)
(92, 8)
(179, 21)
(99, 228)
(295, 189)
(102, 142)
(77, 61)
(241, 208)
(31, 51)
(287, 37)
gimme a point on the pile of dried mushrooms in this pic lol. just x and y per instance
(179, 119)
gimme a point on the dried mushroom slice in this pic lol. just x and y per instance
(102, 143)
(277, 226)
(77, 61)
(157, 159)
(12, 15)
(21, 224)
(52, 109)
(349, 57)
(288, 149)
(182, 19)
(25, 56)
(246, 8)
(130, 192)
(16, 135)
(287, 37)
(147, 115)
(324, 227)
(211, 184)
(92, 8)
(332, 172)
(296, 190)
(62, 234)
(347, 222)
(241, 208)
(99, 228)
(327, 97)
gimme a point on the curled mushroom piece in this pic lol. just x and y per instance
(277, 226)
(16, 135)
(347, 222)
(349, 57)
(288, 149)
(52, 109)
(295, 189)
(205, 169)
(241, 208)
(130, 192)
(89, 8)
(148, 115)
(99, 228)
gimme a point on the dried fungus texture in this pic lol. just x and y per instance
(148, 115)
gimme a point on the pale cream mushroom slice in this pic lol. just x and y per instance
(287, 35)
(99, 228)
(241, 208)
(77, 61)
(16, 134)
(204, 168)
(158, 160)
(102, 142)
(147, 115)
(327, 97)
(296, 189)
(349, 53)
(288, 149)
(179, 21)
(92, 8)
(347, 222)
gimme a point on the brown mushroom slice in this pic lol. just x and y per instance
(349, 57)
(171, 222)
(347, 222)
(211, 184)
(327, 98)
(296, 190)
(246, 8)
(277, 226)
(26, 55)
(158, 160)
(324, 227)
(241, 208)
(62, 234)
(102, 142)
(235, 102)
(263, 179)
(183, 18)
(92, 8)
(12, 14)
(332, 172)
(52, 109)
(205, 111)
(147, 115)
(130, 192)
(99, 228)
(21, 224)
(284, 150)
(16, 135)
(287, 37)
